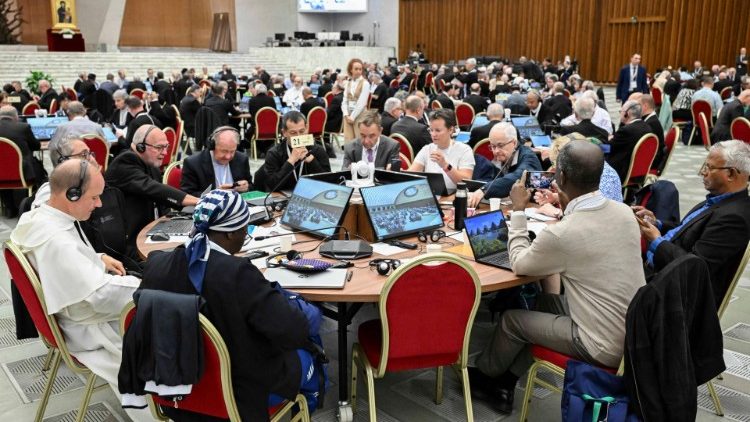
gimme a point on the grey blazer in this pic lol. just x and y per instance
(387, 151)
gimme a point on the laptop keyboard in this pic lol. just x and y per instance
(173, 227)
(501, 259)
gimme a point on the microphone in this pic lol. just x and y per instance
(502, 169)
(346, 231)
(281, 182)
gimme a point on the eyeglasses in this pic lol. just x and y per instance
(159, 148)
(84, 155)
(499, 146)
(707, 168)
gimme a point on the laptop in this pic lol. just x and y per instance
(480, 120)
(44, 128)
(541, 141)
(317, 207)
(277, 100)
(488, 237)
(463, 136)
(436, 181)
(472, 185)
(109, 134)
(173, 227)
(245, 103)
(527, 126)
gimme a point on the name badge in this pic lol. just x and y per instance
(302, 141)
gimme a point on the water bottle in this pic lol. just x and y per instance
(459, 206)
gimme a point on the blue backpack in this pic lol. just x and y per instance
(591, 394)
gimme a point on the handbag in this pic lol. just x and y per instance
(591, 394)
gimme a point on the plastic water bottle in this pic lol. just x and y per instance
(459, 206)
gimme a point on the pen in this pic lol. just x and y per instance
(349, 275)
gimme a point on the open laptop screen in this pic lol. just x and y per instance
(527, 126)
(399, 209)
(44, 127)
(488, 233)
(316, 205)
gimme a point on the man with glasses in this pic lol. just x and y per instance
(136, 173)
(510, 160)
(716, 230)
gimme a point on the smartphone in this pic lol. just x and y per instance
(539, 179)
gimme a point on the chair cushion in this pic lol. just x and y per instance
(371, 339)
(559, 359)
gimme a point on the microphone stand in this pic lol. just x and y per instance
(281, 182)
(502, 169)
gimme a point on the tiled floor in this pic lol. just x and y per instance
(401, 396)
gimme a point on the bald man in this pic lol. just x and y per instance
(136, 173)
(309, 102)
(740, 107)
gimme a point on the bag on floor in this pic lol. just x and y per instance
(591, 394)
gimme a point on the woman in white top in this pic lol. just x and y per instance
(356, 93)
(455, 160)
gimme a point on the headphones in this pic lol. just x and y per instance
(280, 259)
(434, 236)
(75, 193)
(385, 265)
(141, 146)
(211, 142)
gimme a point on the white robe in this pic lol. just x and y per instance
(86, 301)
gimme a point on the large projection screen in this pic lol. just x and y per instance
(332, 6)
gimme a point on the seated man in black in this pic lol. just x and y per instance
(220, 105)
(716, 230)
(281, 159)
(219, 166)
(262, 329)
(584, 110)
(310, 102)
(495, 115)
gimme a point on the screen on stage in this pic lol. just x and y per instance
(332, 6)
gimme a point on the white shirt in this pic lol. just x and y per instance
(222, 173)
(293, 97)
(633, 77)
(374, 151)
(458, 154)
(601, 119)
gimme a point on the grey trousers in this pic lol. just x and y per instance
(548, 325)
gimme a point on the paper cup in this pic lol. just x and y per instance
(285, 243)
(494, 204)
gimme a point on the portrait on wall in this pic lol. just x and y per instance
(64, 13)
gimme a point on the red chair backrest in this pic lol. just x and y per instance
(405, 162)
(206, 396)
(701, 106)
(178, 130)
(316, 121)
(741, 129)
(464, 114)
(174, 176)
(138, 93)
(643, 156)
(670, 139)
(169, 153)
(703, 126)
(72, 94)
(53, 106)
(266, 123)
(29, 293)
(394, 84)
(428, 310)
(404, 145)
(441, 84)
(413, 85)
(435, 104)
(204, 83)
(726, 93)
(656, 94)
(30, 108)
(11, 171)
(428, 80)
(483, 148)
(328, 97)
(100, 148)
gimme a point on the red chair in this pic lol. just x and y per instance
(179, 131)
(726, 93)
(213, 395)
(483, 148)
(703, 127)
(27, 282)
(669, 141)
(53, 106)
(138, 93)
(554, 362)
(405, 161)
(328, 97)
(464, 115)
(700, 106)
(11, 167)
(412, 85)
(441, 85)
(429, 84)
(369, 100)
(657, 94)
(99, 147)
(173, 175)
(30, 108)
(205, 83)
(266, 127)
(171, 152)
(427, 308)
(271, 93)
(72, 94)
(316, 122)
(405, 145)
(740, 129)
(640, 162)
(394, 84)
(435, 105)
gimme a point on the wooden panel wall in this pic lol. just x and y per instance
(38, 17)
(600, 33)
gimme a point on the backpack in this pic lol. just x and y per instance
(591, 394)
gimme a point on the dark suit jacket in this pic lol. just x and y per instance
(445, 102)
(162, 86)
(222, 107)
(386, 122)
(560, 107)
(259, 101)
(500, 188)
(587, 129)
(198, 172)
(115, 118)
(623, 82)
(309, 104)
(381, 91)
(724, 83)
(277, 167)
(189, 107)
(672, 88)
(656, 129)
(20, 134)
(388, 150)
(477, 102)
(731, 111)
(46, 98)
(138, 121)
(141, 185)
(335, 115)
(481, 132)
(416, 133)
(623, 142)
(136, 85)
(719, 236)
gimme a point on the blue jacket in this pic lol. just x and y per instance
(500, 188)
(623, 82)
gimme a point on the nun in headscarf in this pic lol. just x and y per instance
(260, 327)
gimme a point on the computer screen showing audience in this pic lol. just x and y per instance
(399, 209)
(44, 127)
(527, 126)
(316, 206)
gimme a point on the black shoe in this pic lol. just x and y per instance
(503, 402)
(482, 386)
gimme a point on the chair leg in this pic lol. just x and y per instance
(86, 397)
(715, 398)
(353, 390)
(439, 385)
(48, 388)
(690, 139)
(467, 394)
(371, 393)
(254, 143)
(529, 389)
(47, 360)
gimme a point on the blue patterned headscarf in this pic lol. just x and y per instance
(220, 211)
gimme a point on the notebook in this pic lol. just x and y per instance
(488, 237)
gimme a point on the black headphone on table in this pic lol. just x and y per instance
(74, 193)
(434, 236)
(279, 259)
(211, 142)
(385, 265)
(141, 146)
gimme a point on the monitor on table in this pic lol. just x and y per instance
(44, 128)
(316, 206)
(527, 126)
(479, 121)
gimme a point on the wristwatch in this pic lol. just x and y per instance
(449, 168)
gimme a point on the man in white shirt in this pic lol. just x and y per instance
(293, 96)
(601, 117)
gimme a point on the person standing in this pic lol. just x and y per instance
(632, 79)
(356, 92)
